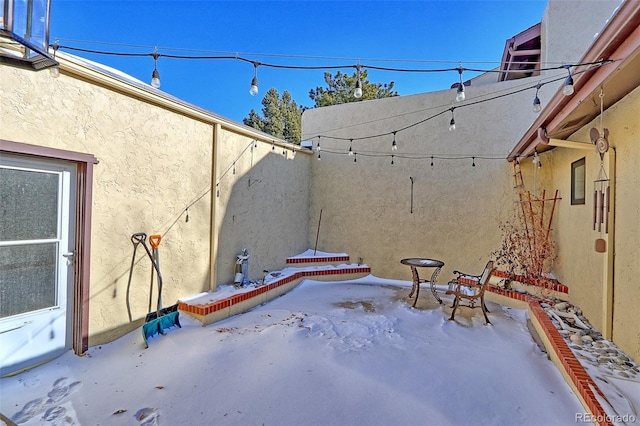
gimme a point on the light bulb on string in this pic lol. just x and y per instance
(355, 157)
(357, 93)
(318, 146)
(432, 161)
(155, 75)
(350, 147)
(392, 159)
(536, 101)
(253, 90)
(394, 146)
(319, 156)
(536, 159)
(452, 123)
(54, 71)
(473, 161)
(567, 90)
(460, 92)
(186, 219)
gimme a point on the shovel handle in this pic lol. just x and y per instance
(138, 237)
(154, 240)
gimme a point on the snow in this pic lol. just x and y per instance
(317, 253)
(326, 353)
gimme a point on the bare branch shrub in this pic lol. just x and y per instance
(528, 249)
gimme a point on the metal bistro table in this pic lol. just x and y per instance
(418, 262)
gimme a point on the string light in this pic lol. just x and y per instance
(394, 146)
(536, 159)
(319, 158)
(254, 81)
(419, 157)
(358, 67)
(54, 71)
(155, 75)
(351, 147)
(468, 104)
(452, 123)
(473, 161)
(567, 90)
(357, 93)
(536, 101)
(355, 157)
(392, 156)
(460, 93)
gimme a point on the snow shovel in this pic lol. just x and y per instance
(163, 318)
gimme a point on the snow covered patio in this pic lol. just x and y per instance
(326, 353)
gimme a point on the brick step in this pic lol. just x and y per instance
(247, 298)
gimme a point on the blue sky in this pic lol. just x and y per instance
(395, 34)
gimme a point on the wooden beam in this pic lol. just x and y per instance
(569, 144)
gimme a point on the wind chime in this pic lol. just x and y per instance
(601, 188)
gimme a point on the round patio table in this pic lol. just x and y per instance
(418, 262)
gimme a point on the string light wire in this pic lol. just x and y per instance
(358, 66)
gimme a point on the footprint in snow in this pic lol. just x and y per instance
(148, 417)
(49, 407)
(62, 389)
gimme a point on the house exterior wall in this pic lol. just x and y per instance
(578, 265)
(263, 207)
(623, 121)
(154, 162)
(569, 28)
(457, 208)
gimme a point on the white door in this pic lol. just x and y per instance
(37, 205)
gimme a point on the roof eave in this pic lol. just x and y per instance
(620, 39)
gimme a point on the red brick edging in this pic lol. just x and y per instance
(326, 259)
(582, 382)
(241, 297)
(548, 284)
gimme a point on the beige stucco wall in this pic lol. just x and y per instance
(457, 208)
(263, 207)
(569, 27)
(154, 162)
(623, 121)
(578, 265)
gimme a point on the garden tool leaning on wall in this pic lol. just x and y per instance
(156, 322)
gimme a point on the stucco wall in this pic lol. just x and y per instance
(569, 28)
(578, 265)
(623, 121)
(263, 207)
(457, 208)
(153, 164)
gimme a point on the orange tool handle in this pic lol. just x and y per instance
(154, 240)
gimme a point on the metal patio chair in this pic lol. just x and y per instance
(470, 289)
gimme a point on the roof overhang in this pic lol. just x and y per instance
(564, 115)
